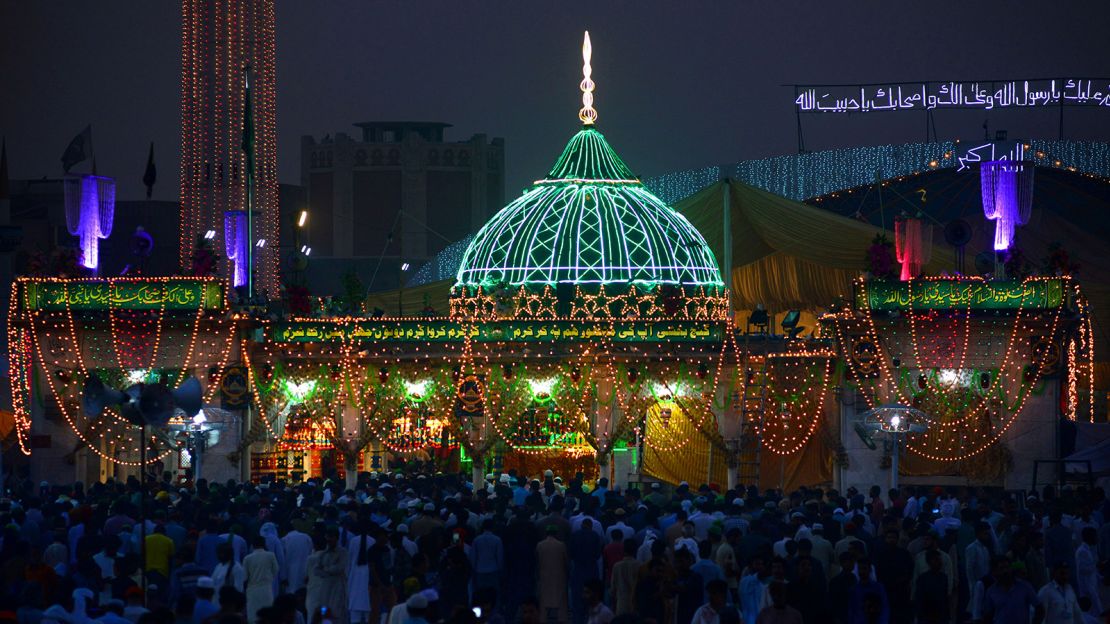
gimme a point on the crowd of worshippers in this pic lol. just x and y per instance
(419, 547)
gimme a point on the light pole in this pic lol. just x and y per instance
(895, 420)
(199, 437)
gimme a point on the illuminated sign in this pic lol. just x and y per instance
(509, 331)
(863, 98)
(999, 150)
(961, 294)
(122, 294)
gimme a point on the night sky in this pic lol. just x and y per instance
(680, 84)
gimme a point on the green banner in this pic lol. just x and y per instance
(960, 294)
(508, 331)
(123, 294)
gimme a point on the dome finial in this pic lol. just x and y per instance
(588, 115)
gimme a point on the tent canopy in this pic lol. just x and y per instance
(785, 254)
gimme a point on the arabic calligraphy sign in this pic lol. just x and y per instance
(509, 331)
(109, 294)
(959, 294)
(984, 94)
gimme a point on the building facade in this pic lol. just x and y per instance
(400, 178)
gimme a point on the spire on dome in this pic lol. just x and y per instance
(588, 115)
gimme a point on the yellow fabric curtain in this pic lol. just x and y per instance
(780, 282)
(676, 450)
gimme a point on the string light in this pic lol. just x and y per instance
(217, 44)
(812, 175)
(799, 383)
(67, 366)
(947, 438)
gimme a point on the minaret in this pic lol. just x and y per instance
(221, 41)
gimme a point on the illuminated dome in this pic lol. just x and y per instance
(590, 221)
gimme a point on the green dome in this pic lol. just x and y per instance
(590, 221)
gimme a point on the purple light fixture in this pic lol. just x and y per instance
(90, 207)
(1007, 197)
(235, 242)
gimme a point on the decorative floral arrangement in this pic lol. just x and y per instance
(1058, 261)
(880, 258)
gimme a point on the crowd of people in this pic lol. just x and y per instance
(418, 547)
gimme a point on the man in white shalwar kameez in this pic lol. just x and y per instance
(358, 576)
(1087, 577)
(298, 546)
(262, 570)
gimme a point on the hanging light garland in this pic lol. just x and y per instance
(960, 426)
(798, 384)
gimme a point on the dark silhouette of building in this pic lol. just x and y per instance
(400, 178)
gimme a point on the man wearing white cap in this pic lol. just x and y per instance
(399, 614)
(823, 550)
(416, 606)
(204, 606)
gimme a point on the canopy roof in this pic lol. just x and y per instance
(785, 254)
(590, 221)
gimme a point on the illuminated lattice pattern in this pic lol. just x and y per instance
(588, 222)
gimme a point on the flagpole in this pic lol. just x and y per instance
(248, 146)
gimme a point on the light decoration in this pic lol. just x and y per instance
(299, 392)
(1007, 198)
(443, 266)
(815, 174)
(913, 243)
(589, 221)
(217, 44)
(90, 203)
(963, 419)
(137, 375)
(235, 242)
(64, 350)
(978, 94)
(588, 115)
(21, 367)
(416, 390)
(798, 382)
(1080, 361)
(542, 388)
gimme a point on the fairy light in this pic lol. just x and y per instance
(948, 434)
(21, 368)
(63, 332)
(814, 175)
(795, 384)
(217, 43)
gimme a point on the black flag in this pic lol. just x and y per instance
(79, 149)
(151, 174)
